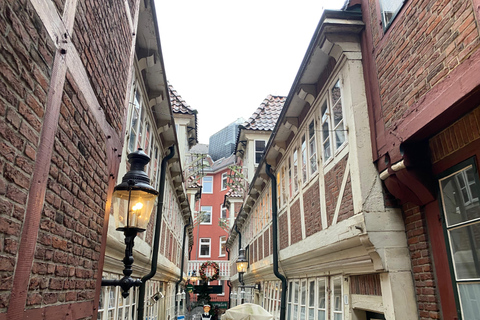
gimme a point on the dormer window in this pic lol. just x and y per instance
(259, 150)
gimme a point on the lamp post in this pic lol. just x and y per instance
(242, 265)
(133, 201)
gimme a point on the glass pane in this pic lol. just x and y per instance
(120, 314)
(296, 285)
(289, 310)
(460, 204)
(311, 314)
(336, 95)
(111, 301)
(337, 316)
(321, 315)
(389, 9)
(325, 131)
(337, 295)
(101, 300)
(326, 149)
(295, 312)
(99, 315)
(304, 292)
(321, 294)
(110, 315)
(311, 294)
(339, 135)
(470, 300)
(120, 300)
(302, 313)
(127, 313)
(465, 245)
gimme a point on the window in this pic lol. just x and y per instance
(206, 214)
(224, 181)
(337, 303)
(207, 184)
(312, 147)
(459, 190)
(332, 122)
(205, 247)
(307, 299)
(304, 160)
(112, 305)
(389, 10)
(135, 121)
(259, 149)
(223, 241)
(295, 170)
(223, 212)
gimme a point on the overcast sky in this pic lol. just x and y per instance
(224, 57)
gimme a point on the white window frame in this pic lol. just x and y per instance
(209, 243)
(304, 160)
(295, 170)
(224, 182)
(208, 209)
(207, 182)
(329, 129)
(312, 148)
(223, 212)
(220, 241)
(114, 302)
(335, 299)
(137, 107)
(255, 151)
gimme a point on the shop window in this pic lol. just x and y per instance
(459, 190)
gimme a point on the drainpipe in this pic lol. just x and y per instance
(228, 281)
(156, 237)
(239, 238)
(180, 278)
(275, 244)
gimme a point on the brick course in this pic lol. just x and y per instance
(423, 45)
(333, 183)
(283, 231)
(26, 61)
(422, 262)
(311, 210)
(295, 222)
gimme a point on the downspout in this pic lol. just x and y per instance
(239, 238)
(228, 281)
(156, 237)
(275, 243)
(180, 277)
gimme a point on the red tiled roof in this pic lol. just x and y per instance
(266, 115)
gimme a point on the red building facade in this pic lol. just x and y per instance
(421, 65)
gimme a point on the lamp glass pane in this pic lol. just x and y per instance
(139, 211)
(242, 266)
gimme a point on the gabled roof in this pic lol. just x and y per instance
(266, 115)
(180, 107)
(262, 120)
(178, 103)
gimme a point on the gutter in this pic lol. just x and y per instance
(156, 237)
(283, 299)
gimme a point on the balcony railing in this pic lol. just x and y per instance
(223, 268)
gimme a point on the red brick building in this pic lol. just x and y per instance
(66, 84)
(422, 65)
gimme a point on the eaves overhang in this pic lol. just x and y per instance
(151, 65)
(335, 33)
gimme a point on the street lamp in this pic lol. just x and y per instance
(242, 265)
(133, 201)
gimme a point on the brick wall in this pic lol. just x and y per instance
(105, 54)
(26, 62)
(67, 253)
(311, 210)
(426, 41)
(260, 247)
(266, 242)
(283, 231)
(295, 222)
(422, 264)
(333, 183)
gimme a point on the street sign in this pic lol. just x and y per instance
(220, 304)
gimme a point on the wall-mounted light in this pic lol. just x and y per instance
(133, 201)
(242, 265)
